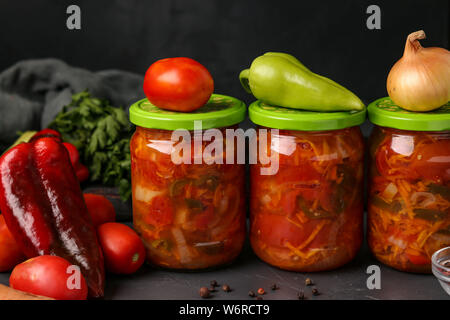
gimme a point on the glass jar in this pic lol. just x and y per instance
(308, 215)
(189, 215)
(409, 185)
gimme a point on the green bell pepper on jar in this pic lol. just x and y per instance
(280, 79)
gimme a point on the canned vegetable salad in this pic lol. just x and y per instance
(308, 215)
(409, 185)
(190, 215)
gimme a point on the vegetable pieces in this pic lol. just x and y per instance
(308, 216)
(190, 216)
(101, 133)
(409, 203)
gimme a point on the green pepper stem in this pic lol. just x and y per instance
(243, 78)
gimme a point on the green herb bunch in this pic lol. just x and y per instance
(101, 133)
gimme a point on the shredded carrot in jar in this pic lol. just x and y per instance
(313, 220)
(189, 216)
(405, 231)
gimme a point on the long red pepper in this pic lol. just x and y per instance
(44, 209)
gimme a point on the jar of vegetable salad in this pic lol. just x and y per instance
(190, 212)
(308, 215)
(409, 188)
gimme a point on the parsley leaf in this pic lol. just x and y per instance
(101, 133)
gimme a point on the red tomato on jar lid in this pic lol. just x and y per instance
(49, 276)
(122, 248)
(178, 84)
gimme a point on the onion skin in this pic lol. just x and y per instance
(420, 80)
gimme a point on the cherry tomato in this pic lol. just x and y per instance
(82, 172)
(100, 209)
(10, 253)
(178, 84)
(123, 250)
(73, 153)
(161, 211)
(49, 276)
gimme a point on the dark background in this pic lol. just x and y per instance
(330, 37)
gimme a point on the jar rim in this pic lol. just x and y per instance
(276, 117)
(384, 112)
(220, 111)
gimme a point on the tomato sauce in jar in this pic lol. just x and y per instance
(189, 215)
(409, 185)
(308, 215)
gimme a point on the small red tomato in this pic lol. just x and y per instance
(178, 84)
(49, 276)
(10, 254)
(123, 250)
(100, 209)
(73, 153)
(82, 172)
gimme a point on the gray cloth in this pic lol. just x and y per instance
(32, 92)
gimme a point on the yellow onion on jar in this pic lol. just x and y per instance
(420, 80)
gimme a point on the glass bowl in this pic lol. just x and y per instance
(440, 265)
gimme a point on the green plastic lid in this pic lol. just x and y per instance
(294, 119)
(384, 112)
(220, 111)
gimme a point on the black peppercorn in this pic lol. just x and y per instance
(251, 294)
(204, 292)
(274, 287)
(315, 291)
(226, 288)
(214, 283)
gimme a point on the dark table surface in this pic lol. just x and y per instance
(250, 273)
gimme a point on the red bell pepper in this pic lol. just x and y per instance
(46, 133)
(44, 208)
(81, 171)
